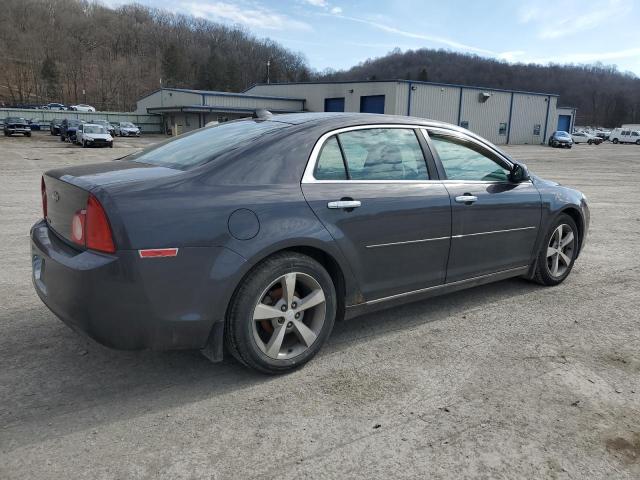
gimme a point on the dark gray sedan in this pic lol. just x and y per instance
(258, 234)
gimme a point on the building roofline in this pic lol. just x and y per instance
(211, 108)
(213, 93)
(435, 84)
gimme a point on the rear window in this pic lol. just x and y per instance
(205, 144)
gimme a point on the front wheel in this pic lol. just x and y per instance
(282, 314)
(558, 252)
(637, 142)
(615, 140)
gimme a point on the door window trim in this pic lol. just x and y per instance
(308, 176)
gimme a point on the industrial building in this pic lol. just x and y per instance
(501, 116)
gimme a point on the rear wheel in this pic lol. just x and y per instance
(637, 142)
(558, 252)
(282, 314)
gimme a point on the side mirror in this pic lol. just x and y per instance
(519, 173)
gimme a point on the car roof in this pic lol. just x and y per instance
(330, 118)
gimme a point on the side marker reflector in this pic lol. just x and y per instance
(158, 252)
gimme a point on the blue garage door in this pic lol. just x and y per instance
(334, 104)
(564, 122)
(372, 104)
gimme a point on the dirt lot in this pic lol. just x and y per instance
(502, 381)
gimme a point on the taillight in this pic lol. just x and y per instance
(97, 229)
(90, 227)
(43, 193)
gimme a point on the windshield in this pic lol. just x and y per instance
(127, 125)
(94, 129)
(73, 123)
(15, 120)
(205, 144)
(562, 134)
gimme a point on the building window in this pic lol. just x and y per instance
(464, 124)
(536, 129)
(502, 130)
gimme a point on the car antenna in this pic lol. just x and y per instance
(261, 113)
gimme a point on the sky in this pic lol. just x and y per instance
(338, 34)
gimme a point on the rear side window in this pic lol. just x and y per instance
(383, 154)
(205, 144)
(330, 165)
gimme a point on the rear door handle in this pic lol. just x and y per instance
(344, 204)
(466, 198)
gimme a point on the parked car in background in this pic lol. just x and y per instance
(603, 134)
(54, 106)
(584, 137)
(560, 138)
(257, 234)
(13, 125)
(620, 135)
(107, 126)
(68, 129)
(54, 126)
(81, 107)
(34, 124)
(93, 135)
(127, 129)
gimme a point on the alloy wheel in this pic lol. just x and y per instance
(560, 250)
(289, 316)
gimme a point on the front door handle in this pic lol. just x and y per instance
(344, 204)
(467, 198)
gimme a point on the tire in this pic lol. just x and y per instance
(61, 138)
(589, 142)
(615, 140)
(569, 146)
(637, 142)
(111, 145)
(548, 272)
(250, 341)
(84, 144)
(28, 134)
(554, 143)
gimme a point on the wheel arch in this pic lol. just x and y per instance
(576, 216)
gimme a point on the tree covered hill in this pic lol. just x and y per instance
(54, 50)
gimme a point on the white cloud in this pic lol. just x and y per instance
(317, 3)
(573, 16)
(336, 10)
(252, 17)
(431, 38)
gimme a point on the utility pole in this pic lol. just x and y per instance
(268, 70)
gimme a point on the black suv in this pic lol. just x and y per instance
(54, 126)
(16, 125)
(68, 128)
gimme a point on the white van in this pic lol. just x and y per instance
(622, 135)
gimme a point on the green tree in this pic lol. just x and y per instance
(422, 76)
(50, 78)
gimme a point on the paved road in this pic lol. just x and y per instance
(503, 381)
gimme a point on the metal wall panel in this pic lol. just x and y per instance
(434, 102)
(232, 101)
(351, 91)
(528, 111)
(485, 117)
(168, 98)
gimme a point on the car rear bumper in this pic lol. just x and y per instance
(125, 302)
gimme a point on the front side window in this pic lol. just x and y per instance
(383, 154)
(463, 160)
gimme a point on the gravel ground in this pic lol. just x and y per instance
(510, 380)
